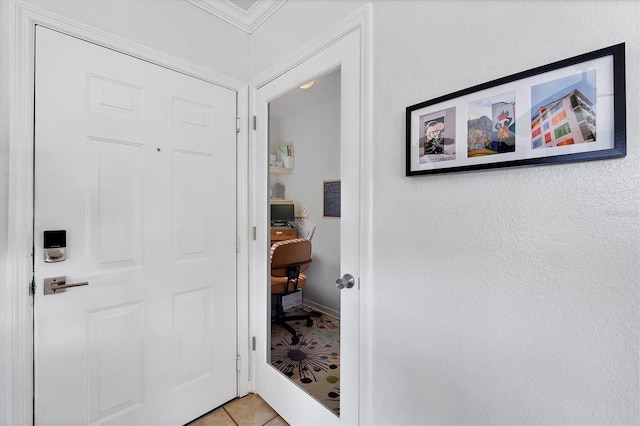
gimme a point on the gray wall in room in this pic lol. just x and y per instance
(310, 121)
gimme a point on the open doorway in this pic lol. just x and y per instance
(304, 147)
(295, 405)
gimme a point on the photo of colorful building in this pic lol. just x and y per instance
(568, 119)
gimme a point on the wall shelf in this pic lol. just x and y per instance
(280, 201)
(280, 170)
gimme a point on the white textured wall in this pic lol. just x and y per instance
(505, 296)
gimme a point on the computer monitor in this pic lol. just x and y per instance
(282, 214)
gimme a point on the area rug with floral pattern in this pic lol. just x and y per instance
(314, 362)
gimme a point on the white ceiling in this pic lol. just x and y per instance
(244, 14)
(296, 100)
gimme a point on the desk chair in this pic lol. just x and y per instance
(289, 258)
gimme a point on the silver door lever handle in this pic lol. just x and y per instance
(55, 285)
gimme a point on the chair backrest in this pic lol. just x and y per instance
(290, 252)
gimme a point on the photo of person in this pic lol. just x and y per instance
(434, 141)
(437, 140)
(491, 127)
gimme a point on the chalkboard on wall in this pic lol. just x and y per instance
(331, 198)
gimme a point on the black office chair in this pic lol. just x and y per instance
(289, 259)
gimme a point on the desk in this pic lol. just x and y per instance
(283, 233)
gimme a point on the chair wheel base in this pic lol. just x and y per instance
(309, 322)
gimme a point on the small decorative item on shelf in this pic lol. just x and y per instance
(285, 155)
(278, 191)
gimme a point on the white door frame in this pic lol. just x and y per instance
(358, 21)
(16, 313)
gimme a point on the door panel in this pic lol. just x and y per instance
(115, 337)
(137, 163)
(115, 220)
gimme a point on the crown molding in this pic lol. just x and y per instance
(247, 21)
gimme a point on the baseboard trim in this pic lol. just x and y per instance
(321, 308)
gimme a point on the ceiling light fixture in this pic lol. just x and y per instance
(309, 84)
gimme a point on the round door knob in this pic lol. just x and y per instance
(347, 281)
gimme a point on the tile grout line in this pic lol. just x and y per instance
(229, 414)
(271, 419)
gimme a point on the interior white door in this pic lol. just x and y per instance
(137, 163)
(296, 406)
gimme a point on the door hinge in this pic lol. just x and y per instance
(253, 232)
(253, 343)
(237, 244)
(254, 122)
(238, 363)
(32, 287)
(237, 124)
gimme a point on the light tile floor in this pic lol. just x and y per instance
(250, 410)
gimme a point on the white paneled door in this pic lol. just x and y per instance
(137, 163)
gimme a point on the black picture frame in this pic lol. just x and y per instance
(566, 111)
